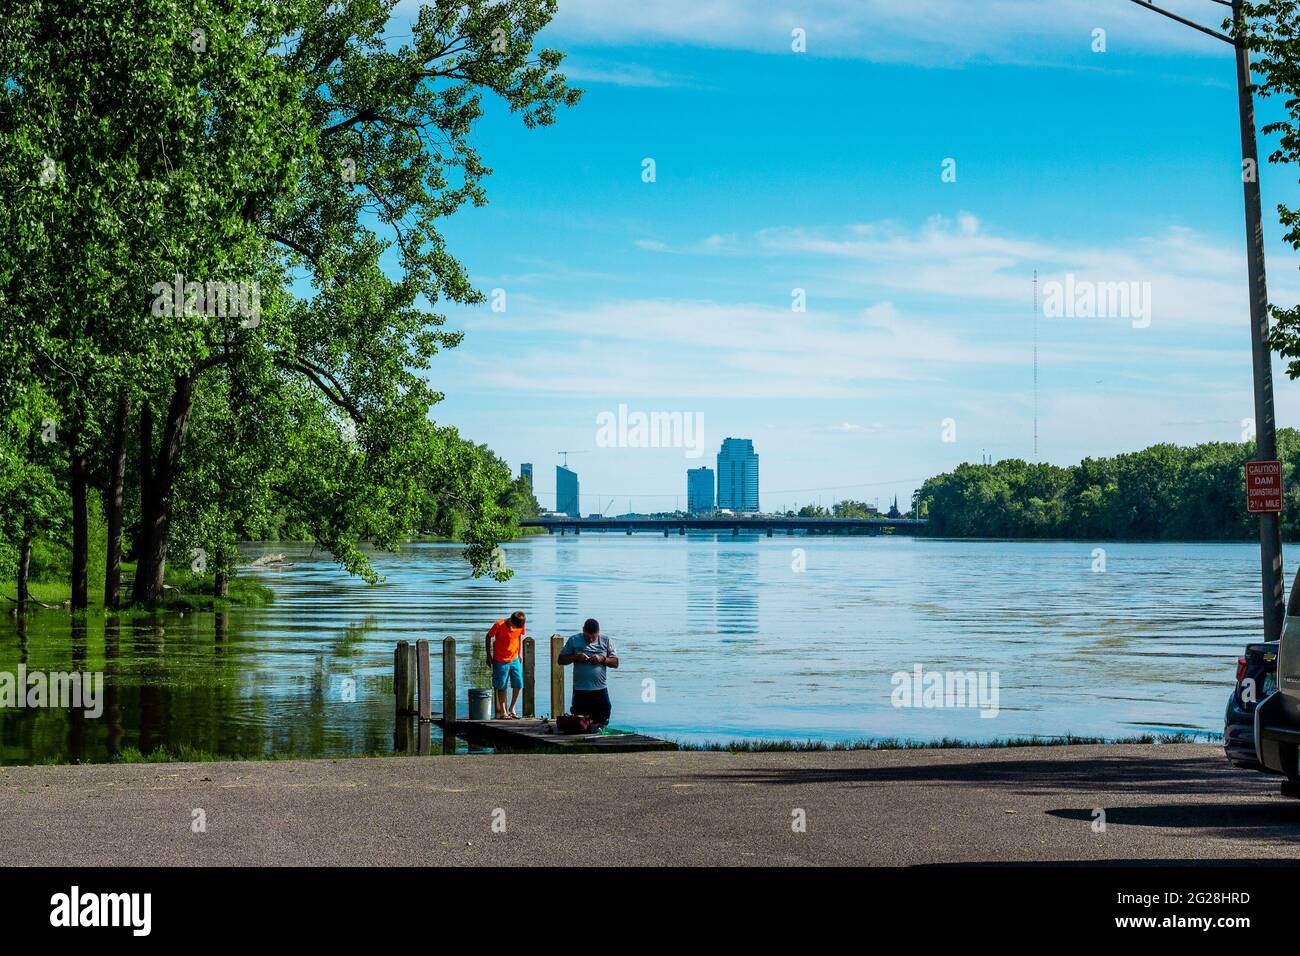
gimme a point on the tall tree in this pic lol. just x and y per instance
(262, 146)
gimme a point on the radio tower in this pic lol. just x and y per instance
(1035, 365)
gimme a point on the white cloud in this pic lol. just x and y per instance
(1194, 280)
(850, 428)
(894, 314)
(586, 70)
(925, 31)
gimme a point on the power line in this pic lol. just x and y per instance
(1191, 23)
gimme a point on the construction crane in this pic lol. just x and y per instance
(566, 455)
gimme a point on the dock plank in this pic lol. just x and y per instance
(538, 734)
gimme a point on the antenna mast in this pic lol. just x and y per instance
(1035, 365)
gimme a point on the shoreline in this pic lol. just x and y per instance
(162, 756)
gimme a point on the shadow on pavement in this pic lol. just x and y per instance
(1177, 776)
(1279, 821)
(1172, 783)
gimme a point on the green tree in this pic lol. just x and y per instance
(1164, 492)
(288, 147)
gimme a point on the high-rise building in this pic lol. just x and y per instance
(699, 490)
(738, 475)
(566, 492)
(526, 472)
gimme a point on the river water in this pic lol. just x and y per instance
(720, 638)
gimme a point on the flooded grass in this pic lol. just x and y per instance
(191, 593)
(187, 754)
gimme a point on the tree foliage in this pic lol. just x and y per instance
(1273, 34)
(294, 151)
(1165, 492)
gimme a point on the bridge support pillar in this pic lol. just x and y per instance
(735, 531)
(577, 530)
(629, 530)
(682, 530)
(665, 531)
(769, 532)
(561, 531)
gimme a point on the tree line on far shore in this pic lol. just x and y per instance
(1162, 493)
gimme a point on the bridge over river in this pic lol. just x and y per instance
(734, 524)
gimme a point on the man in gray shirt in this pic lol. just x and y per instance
(590, 653)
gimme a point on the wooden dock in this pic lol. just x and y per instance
(412, 687)
(538, 734)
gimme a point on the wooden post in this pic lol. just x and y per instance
(487, 650)
(422, 668)
(530, 677)
(557, 677)
(448, 679)
(404, 677)
(399, 675)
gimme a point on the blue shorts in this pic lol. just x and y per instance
(511, 673)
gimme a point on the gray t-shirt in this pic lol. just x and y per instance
(588, 676)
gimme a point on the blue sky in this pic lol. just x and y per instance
(822, 171)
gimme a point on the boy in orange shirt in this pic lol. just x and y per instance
(507, 637)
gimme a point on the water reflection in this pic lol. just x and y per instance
(702, 590)
(732, 639)
(738, 586)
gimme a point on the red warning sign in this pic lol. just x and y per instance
(1263, 486)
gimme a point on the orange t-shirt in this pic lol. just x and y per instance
(505, 641)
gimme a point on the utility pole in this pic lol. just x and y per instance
(1270, 525)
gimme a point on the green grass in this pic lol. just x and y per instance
(47, 592)
(946, 743)
(192, 593)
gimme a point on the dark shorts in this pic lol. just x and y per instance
(593, 704)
